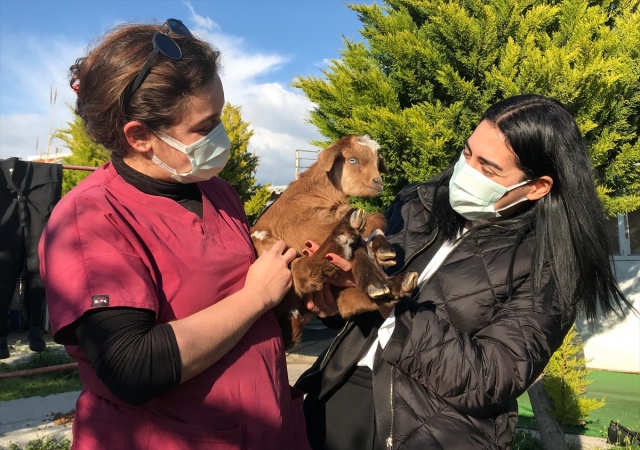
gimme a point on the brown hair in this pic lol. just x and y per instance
(102, 78)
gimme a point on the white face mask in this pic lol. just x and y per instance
(208, 156)
(472, 195)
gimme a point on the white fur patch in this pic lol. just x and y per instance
(260, 235)
(345, 243)
(367, 141)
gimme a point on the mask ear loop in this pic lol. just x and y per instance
(160, 163)
(523, 199)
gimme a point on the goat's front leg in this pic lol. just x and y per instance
(369, 277)
(309, 274)
(380, 250)
(289, 314)
(374, 226)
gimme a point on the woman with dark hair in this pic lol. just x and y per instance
(510, 244)
(151, 279)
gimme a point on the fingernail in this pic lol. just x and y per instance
(329, 258)
(307, 244)
(305, 253)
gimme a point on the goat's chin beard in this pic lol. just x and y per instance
(368, 192)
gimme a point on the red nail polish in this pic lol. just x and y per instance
(329, 258)
(307, 244)
(305, 253)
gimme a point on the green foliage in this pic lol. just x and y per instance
(40, 384)
(46, 443)
(256, 204)
(525, 441)
(85, 152)
(430, 68)
(242, 165)
(565, 381)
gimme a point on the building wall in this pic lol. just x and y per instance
(614, 344)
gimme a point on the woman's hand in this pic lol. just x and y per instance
(321, 303)
(344, 277)
(269, 276)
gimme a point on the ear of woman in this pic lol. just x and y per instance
(540, 187)
(138, 136)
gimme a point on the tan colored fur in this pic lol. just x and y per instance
(309, 210)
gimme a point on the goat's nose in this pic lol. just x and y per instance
(378, 181)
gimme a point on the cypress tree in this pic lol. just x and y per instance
(428, 69)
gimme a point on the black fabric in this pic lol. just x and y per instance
(28, 192)
(381, 383)
(134, 357)
(325, 385)
(464, 347)
(349, 412)
(621, 435)
(186, 194)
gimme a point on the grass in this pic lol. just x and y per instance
(622, 394)
(42, 384)
(47, 443)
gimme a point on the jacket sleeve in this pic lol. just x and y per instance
(476, 373)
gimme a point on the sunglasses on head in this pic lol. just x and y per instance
(163, 44)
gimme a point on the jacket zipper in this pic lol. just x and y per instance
(417, 252)
(390, 438)
(333, 343)
(326, 354)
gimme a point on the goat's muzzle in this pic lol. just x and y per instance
(377, 184)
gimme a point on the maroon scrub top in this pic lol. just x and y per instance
(108, 244)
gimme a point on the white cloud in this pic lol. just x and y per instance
(277, 114)
(37, 102)
(279, 119)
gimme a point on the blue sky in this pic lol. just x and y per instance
(264, 43)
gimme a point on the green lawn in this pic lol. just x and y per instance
(622, 394)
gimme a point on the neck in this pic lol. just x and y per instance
(142, 163)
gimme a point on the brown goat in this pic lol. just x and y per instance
(316, 208)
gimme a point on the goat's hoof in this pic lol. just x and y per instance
(357, 219)
(376, 292)
(409, 282)
(379, 249)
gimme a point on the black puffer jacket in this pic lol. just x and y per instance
(463, 349)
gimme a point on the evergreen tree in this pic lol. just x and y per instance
(257, 203)
(430, 68)
(241, 168)
(84, 152)
(242, 165)
(565, 380)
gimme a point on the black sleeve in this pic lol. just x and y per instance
(135, 358)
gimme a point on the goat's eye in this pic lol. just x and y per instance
(353, 161)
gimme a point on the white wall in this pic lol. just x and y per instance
(614, 344)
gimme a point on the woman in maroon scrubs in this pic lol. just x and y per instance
(151, 279)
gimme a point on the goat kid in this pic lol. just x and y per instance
(315, 207)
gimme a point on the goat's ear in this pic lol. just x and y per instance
(327, 157)
(382, 167)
